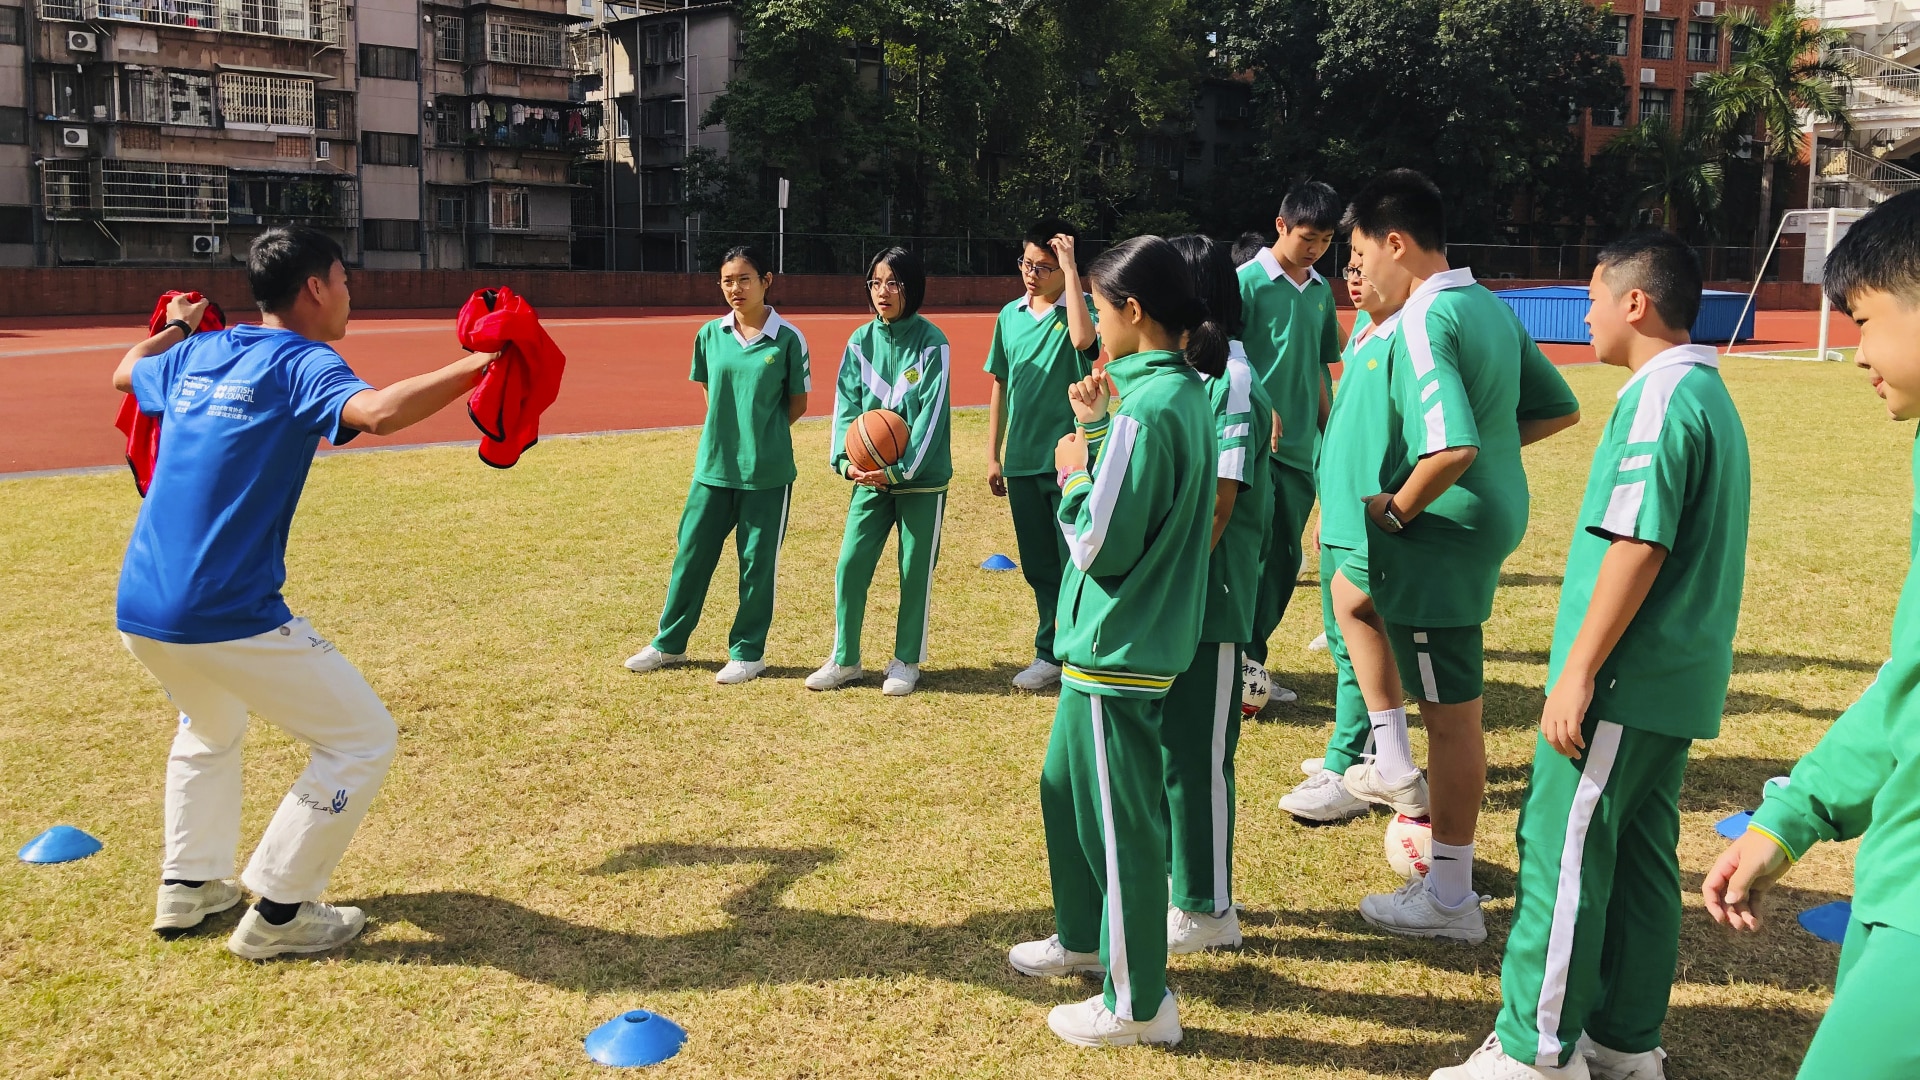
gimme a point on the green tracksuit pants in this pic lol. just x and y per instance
(1199, 731)
(1292, 503)
(918, 515)
(1035, 502)
(1596, 917)
(1101, 793)
(758, 521)
(1868, 1030)
(1351, 731)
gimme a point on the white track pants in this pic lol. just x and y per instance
(295, 680)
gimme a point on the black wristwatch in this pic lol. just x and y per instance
(185, 330)
(1394, 524)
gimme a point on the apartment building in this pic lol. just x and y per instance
(1665, 48)
(1879, 156)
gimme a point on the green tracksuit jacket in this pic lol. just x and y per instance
(902, 366)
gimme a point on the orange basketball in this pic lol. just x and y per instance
(876, 439)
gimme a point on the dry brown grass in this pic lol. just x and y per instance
(819, 885)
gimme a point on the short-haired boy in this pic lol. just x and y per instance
(1863, 779)
(1043, 343)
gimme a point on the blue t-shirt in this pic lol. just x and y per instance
(242, 412)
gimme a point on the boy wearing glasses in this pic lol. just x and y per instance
(1043, 343)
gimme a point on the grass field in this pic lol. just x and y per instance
(822, 885)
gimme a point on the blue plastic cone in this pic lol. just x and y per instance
(1734, 826)
(1828, 922)
(62, 843)
(998, 562)
(635, 1038)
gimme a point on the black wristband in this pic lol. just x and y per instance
(185, 330)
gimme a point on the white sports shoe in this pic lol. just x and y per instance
(901, 679)
(179, 907)
(1490, 1062)
(1606, 1063)
(1043, 959)
(1088, 1023)
(1280, 695)
(1411, 911)
(1038, 676)
(1192, 932)
(1312, 765)
(316, 927)
(739, 671)
(832, 676)
(1408, 797)
(1323, 798)
(1318, 644)
(649, 658)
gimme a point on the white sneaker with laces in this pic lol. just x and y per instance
(1490, 1062)
(1312, 765)
(1089, 1023)
(179, 907)
(1411, 911)
(1044, 959)
(1323, 798)
(649, 658)
(1280, 695)
(832, 676)
(739, 671)
(1606, 1063)
(1318, 644)
(1192, 931)
(316, 927)
(1408, 797)
(900, 679)
(1038, 676)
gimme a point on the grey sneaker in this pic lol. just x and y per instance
(179, 908)
(316, 927)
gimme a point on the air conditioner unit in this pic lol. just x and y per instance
(1646, 76)
(82, 41)
(323, 150)
(1653, 7)
(1701, 76)
(1743, 147)
(73, 136)
(1704, 9)
(206, 245)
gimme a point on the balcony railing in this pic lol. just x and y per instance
(303, 20)
(1656, 52)
(262, 101)
(525, 41)
(134, 191)
(294, 199)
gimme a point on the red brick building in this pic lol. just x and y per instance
(1664, 47)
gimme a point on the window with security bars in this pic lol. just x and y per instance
(1703, 42)
(388, 148)
(166, 97)
(302, 20)
(450, 38)
(65, 191)
(507, 208)
(449, 122)
(516, 41)
(1656, 104)
(332, 111)
(162, 191)
(450, 211)
(390, 234)
(266, 101)
(1616, 28)
(389, 62)
(1656, 38)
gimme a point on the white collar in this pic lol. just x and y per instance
(769, 331)
(1457, 278)
(1275, 272)
(1674, 357)
(1386, 327)
(1041, 313)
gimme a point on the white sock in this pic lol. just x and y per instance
(1450, 879)
(1392, 756)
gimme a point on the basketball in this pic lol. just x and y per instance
(1255, 687)
(876, 439)
(1409, 844)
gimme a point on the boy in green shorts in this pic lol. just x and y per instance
(1467, 388)
(1292, 334)
(1863, 779)
(1642, 650)
(1043, 343)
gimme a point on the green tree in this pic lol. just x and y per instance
(1782, 67)
(1679, 173)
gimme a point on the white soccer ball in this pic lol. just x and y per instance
(1409, 845)
(1255, 687)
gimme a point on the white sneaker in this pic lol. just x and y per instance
(1312, 765)
(316, 927)
(1280, 695)
(739, 671)
(901, 679)
(1043, 959)
(179, 907)
(1318, 644)
(1191, 932)
(832, 676)
(1606, 1063)
(1411, 911)
(1088, 1023)
(1408, 797)
(1323, 798)
(1490, 1062)
(649, 658)
(1038, 676)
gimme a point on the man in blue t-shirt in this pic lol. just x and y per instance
(242, 411)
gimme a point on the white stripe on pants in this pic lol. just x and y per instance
(295, 680)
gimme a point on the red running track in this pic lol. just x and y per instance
(626, 369)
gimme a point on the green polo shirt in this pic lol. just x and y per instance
(1033, 357)
(1671, 469)
(1292, 334)
(1348, 468)
(1243, 427)
(747, 441)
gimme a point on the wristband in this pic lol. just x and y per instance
(185, 330)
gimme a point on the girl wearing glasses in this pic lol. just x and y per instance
(753, 366)
(899, 361)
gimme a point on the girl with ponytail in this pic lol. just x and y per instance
(1136, 508)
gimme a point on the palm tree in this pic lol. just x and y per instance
(1784, 68)
(1679, 172)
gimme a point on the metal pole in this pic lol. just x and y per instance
(1826, 304)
